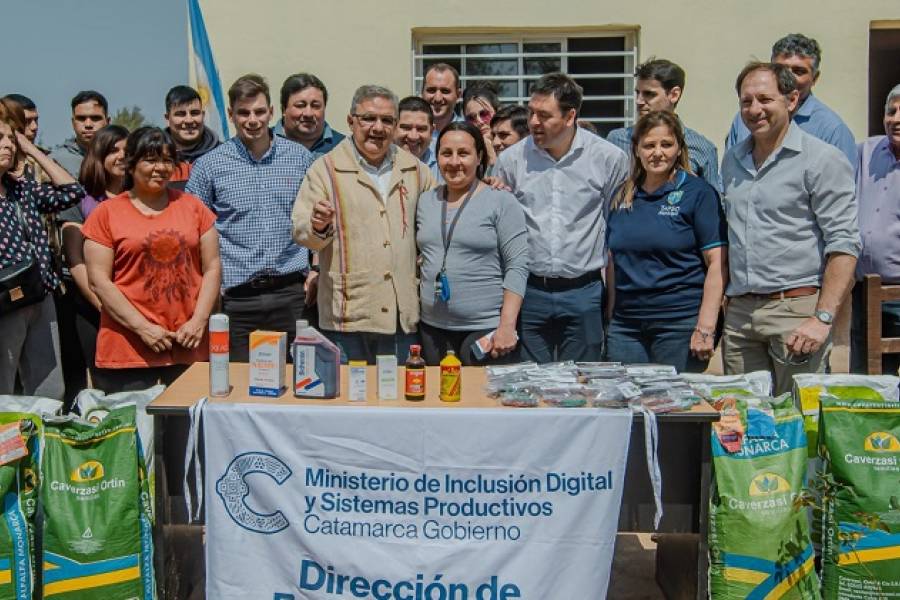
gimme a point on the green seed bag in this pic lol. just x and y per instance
(811, 388)
(94, 405)
(859, 441)
(759, 542)
(19, 491)
(97, 531)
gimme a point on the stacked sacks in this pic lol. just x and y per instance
(20, 426)
(758, 538)
(859, 442)
(97, 515)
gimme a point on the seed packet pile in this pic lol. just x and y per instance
(594, 384)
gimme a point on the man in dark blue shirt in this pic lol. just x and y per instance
(303, 101)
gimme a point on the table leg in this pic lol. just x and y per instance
(160, 507)
(705, 482)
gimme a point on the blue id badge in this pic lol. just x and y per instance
(442, 287)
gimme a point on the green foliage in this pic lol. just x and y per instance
(130, 118)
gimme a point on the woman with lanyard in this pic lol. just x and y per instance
(474, 249)
(668, 260)
(29, 341)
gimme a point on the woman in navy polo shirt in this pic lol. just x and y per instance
(668, 262)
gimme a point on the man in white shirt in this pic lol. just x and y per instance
(564, 177)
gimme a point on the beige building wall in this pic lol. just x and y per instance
(348, 43)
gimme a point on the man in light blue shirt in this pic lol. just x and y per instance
(792, 233)
(250, 182)
(414, 132)
(441, 89)
(802, 55)
(659, 86)
(564, 177)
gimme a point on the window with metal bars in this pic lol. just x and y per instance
(602, 64)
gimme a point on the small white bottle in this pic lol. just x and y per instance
(218, 355)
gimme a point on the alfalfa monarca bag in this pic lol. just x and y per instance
(859, 441)
(97, 532)
(759, 542)
(20, 425)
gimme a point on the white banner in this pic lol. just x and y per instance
(411, 504)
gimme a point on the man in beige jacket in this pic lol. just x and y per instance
(357, 209)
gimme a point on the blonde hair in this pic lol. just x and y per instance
(625, 197)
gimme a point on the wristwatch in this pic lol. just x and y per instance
(824, 316)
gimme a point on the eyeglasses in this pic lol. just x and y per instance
(368, 120)
(781, 355)
(482, 116)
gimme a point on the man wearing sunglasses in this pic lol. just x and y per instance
(357, 209)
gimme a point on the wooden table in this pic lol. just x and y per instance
(684, 447)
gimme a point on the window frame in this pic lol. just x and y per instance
(557, 36)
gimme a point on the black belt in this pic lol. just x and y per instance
(564, 283)
(264, 283)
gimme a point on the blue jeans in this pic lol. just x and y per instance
(664, 342)
(562, 324)
(362, 345)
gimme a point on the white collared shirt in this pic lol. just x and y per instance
(565, 201)
(380, 175)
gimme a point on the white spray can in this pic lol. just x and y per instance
(218, 355)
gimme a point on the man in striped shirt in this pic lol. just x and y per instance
(660, 84)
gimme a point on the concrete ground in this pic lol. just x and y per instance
(634, 568)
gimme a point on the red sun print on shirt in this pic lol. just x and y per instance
(165, 266)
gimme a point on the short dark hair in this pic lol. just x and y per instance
(144, 142)
(517, 115)
(562, 87)
(248, 86)
(24, 101)
(785, 79)
(441, 67)
(93, 174)
(86, 96)
(485, 90)
(416, 104)
(181, 94)
(299, 82)
(799, 45)
(473, 131)
(667, 73)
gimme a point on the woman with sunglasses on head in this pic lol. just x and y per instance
(29, 343)
(103, 177)
(668, 266)
(480, 104)
(474, 249)
(152, 256)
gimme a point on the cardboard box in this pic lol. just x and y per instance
(268, 360)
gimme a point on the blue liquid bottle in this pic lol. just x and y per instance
(317, 364)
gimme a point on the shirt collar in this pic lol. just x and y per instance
(793, 140)
(578, 143)
(885, 146)
(669, 186)
(245, 153)
(386, 165)
(327, 133)
(805, 110)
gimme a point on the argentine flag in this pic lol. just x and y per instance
(204, 76)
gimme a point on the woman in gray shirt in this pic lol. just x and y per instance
(474, 249)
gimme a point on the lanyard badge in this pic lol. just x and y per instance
(442, 287)
(441, 281)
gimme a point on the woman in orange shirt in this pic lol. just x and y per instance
(152, 257)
